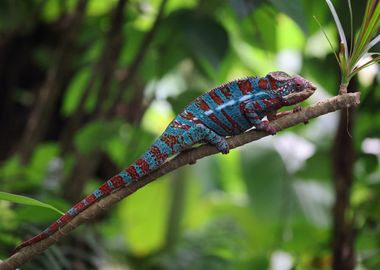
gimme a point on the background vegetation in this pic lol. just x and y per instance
(87, 85)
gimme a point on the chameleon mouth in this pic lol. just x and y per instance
(311, 87)
(303, 94)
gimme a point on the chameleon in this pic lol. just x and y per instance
(226, 110)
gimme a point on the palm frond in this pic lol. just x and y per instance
(351, 26)
(339, 26)
(350, 63)
(328, 40)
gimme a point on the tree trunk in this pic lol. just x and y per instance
(343, 162)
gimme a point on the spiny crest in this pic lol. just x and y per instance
(227, 84)
(279, 76)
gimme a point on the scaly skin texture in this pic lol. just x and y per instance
(227, 110)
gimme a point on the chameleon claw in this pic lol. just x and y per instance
(223, 147)
(297, 109)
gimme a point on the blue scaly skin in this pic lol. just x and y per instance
(227, 110)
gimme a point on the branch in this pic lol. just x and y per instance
(50, 91)
(131, 71)
(103, 71)
(343, 160)
(186, 157)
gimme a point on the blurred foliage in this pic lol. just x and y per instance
(264, 206)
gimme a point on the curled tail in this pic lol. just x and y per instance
(150, 161)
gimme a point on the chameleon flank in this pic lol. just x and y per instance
(226, 110)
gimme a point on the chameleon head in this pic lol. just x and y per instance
(290, 87)
(300, 84)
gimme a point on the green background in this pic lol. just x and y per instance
(267, 203)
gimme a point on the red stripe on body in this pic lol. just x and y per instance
(90, 199)
(143, 165)
(169, 140)
(117, 181)
(226, 91)
(132, 172)
(80, 206)
(54, 227)
(205, 107)
(105, 189)
(190, 116)
(232, 121)
(176, 124)
(244, 86)
(216, 98)
(202, 104)
(158, 155)
(220, 123)
(263, 84)
(38, 238)
(65, 218)
(273, 83)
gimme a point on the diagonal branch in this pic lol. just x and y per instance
(187, 157)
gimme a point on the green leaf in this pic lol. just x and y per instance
(96, 8)
(263, 33)
(328, 40)
(289, 34)
(95, 135)
(204, 38)
(145, 214)
(316, 167)
(51, 10)
(294, 9)
(243, 8)
(339, 27)
(179, 102)
(75, 91)
(264, 171)
(5, 196)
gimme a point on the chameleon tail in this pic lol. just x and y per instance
(148, 162)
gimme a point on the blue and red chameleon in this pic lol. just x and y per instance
(226, 110)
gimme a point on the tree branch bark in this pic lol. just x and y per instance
(343, 160)
(131, 71)
(51, 89)
(75, 182)
(104, 69)
(186, 157)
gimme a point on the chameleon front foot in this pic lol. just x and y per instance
(223, 146)
(300, 109)
(297, 108)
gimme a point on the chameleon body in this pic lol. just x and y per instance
(227, 110)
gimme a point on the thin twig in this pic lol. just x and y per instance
(131, 71)
(104, 67)
(85, 165)
(51, 89)
(187, 157)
